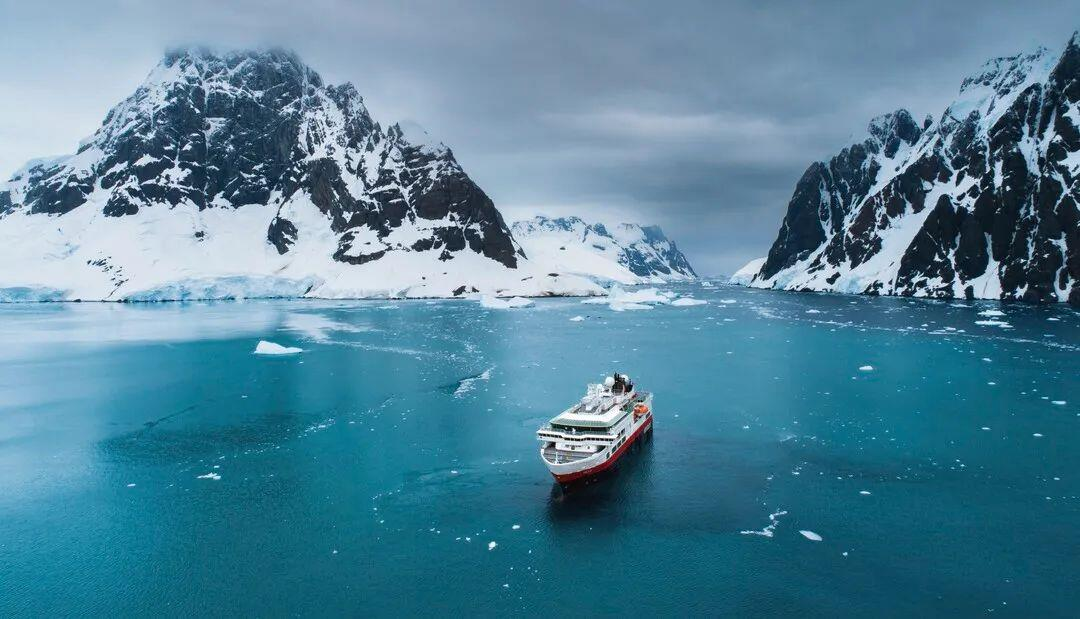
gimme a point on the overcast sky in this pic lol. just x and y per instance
(698, 116)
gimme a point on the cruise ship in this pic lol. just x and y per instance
(591, 435)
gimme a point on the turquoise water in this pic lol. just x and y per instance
(369, 474)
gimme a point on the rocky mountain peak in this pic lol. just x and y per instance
(892, 129)
(259, 129)
(983, 204)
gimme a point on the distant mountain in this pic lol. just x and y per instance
(627, 253)
(243, 174)
(978, 203)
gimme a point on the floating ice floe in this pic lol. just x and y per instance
(774, 519)
(317, 327)
(1058, 402)
(992, 313)
(993, 323)
(813, 311)
(466, 385)
(492, 545)
(516, 527)
(619, 299)
(491, 302)
(864, 492)
(866, 368)
(270, 348)
(1037, 435)
(810, 535)
(622, 307)
(687, 302)
(577, 319)
(210, 475)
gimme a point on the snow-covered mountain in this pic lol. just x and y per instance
(979, 203)
(243, 174)
(626, 253)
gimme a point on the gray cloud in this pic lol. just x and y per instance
(699, 116)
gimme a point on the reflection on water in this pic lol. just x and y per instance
(604, 495)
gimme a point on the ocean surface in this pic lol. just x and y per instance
(813, 455)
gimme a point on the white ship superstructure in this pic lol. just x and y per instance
(590, 436)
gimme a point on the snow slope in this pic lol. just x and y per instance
(979, 203)
(244, 175)
(626, 253)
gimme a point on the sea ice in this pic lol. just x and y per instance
(577, 319)
(468, 384)
(687, 302)
(622, 307)
(492, 545)
(994, 323)
(866, 368)
(810, 535)
(270, 348)
(210, 475)
(317, 326)
(491, 302)
(768, 530)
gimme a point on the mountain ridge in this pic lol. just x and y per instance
(245, 167)
(626, 253)
(979, 203)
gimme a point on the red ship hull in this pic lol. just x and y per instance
(606, 464)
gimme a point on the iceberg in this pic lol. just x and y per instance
(270, 348)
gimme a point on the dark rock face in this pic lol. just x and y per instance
(644, 250)
(261, 128)
(981, 203)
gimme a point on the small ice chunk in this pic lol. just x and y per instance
(516, 527)
(992, 313)
(813, 311)
(985, 429)
(1058, 402)
(270, 348)
(864, 492)
(492, 545)
(866, 368)
(210, 475)
(131, 485)
(1037, 435)
(577, 319)
(810, 535)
